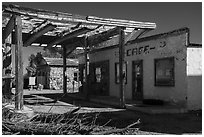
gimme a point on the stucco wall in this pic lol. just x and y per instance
(168, 46)
(26, 52)
(194, 77)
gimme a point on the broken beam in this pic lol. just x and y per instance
(38, 34)
(69, 36)
(98, 38)
(70, 50)
(9, 28)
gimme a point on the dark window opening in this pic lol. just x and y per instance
(164, 72)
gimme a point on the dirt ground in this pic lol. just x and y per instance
(188, 123)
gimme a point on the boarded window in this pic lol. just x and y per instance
(117, 72)
(164, 72)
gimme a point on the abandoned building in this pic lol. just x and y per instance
(117, 61)
(51, 74)
(163, 67)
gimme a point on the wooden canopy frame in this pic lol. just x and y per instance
(68, 30)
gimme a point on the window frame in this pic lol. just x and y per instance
(116, 73)
(170, 84)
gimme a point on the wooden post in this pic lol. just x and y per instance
(18, 64)
(86, 68)
(64, 70)
(121, 63)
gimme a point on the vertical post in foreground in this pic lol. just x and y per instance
(18, 64)
(86, 68)
(64, 70)
(121, 63)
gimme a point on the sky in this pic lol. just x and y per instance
(167, 15)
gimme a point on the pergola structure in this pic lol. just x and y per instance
(56, 29)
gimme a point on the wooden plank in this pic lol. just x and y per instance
(121, 23)
(8, 29)
(18, 64)
(66, 17)
(69, 36)
(38, 34)
(64, 71)
(98, 38)
(121, 63)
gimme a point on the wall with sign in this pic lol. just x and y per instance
(167, 82)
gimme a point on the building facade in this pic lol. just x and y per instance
(164, 67)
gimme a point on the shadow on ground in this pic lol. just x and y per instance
(188, 123)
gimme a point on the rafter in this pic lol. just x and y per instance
(98, 38)
(75, 19)
(70, 50)
(69, 36)
(9, 28)
(39, 33)
(38, 26)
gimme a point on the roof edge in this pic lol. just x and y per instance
(148, 38)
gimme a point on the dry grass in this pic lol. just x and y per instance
(57, 124)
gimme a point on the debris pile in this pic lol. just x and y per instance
(69, 123)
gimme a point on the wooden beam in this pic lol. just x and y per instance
(121, 23)
(44, 39)
(45, 21)
(70, 50)
(86, 69)
(71, 47)
(8, 29)
(121, 66)
(143, 31)
(72, 40)
(130, 36)
(38, 34)
(69, 36)
(64, 70)
(98, 38)
(18, 64)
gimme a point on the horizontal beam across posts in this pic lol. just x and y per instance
(44, 14)
(98, 38)
(44, 39)
(121, 23)
(72, 40)
(38, 34)
(9, 28)
(69, 36)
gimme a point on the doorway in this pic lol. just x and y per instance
(137, 80)
(99, 78)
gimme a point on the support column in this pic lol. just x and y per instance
(121, 63)
(86, 68)
(18, 64)
(64, 70)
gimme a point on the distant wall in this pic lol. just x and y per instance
(194, 78)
